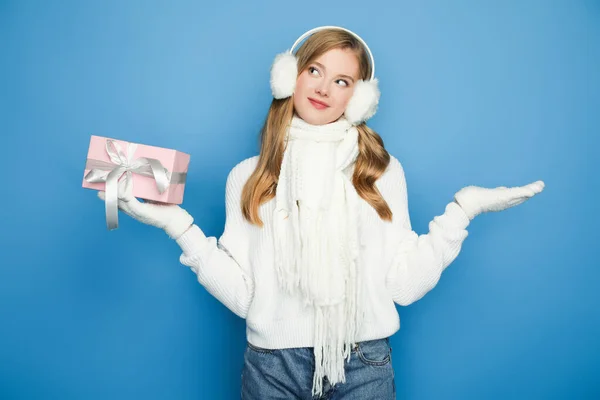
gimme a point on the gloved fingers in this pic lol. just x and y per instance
(517, 200)
(537, 186)
(126, 188)
(529, 190)
(523, 193)
(124, 191)
(154, 202)
(144, 209)
(518, 192)
(123, 205)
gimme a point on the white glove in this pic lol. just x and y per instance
(170, 217)
(475, 200)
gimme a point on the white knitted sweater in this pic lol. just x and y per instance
(398, 265)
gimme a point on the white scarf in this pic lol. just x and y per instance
(316, 237)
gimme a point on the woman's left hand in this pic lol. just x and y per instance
(475, 200)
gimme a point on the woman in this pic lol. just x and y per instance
(318, 244)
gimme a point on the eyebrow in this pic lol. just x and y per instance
(345, 76)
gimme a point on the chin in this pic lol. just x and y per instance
(314, 117)
(316, 120)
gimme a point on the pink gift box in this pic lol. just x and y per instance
(144, 187)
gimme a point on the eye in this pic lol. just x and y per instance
(310, 69)
(343, 80)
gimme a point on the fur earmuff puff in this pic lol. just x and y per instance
(364, 101)
(284, 73)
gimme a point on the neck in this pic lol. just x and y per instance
(339, 126)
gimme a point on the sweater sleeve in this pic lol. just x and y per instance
(223, 266)
(417, 261)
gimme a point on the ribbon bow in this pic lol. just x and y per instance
(102, 171)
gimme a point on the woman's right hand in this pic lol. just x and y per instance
(170, 217)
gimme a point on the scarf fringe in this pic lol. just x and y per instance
(316, 251)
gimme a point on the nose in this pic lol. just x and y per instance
(323, 89)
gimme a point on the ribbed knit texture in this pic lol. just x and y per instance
(399, 265)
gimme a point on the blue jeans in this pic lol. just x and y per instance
(288, 374)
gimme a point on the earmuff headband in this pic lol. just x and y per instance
(310, 32)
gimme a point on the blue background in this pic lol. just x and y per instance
(481, 93)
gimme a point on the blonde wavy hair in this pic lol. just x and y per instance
(372, 159)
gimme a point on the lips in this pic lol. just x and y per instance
(317, 104)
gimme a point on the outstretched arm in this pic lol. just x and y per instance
(417, 261)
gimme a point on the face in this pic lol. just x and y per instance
(324, 88)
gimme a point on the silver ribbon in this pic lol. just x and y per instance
(111, 172)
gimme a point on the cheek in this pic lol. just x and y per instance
(344, 96)
(302, 84)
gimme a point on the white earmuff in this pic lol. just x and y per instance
(364, 100)
(284, 73)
